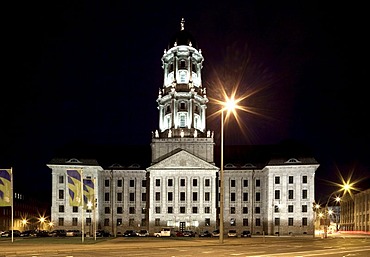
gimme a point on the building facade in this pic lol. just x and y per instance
(180, 188)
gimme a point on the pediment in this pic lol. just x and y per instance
(182, 160)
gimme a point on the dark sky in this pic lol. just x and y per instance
(89, 71)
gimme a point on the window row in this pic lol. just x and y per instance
(207, 196)
(291, 194)
(291, 180)
(304, 222)
(182, 209)
(170, 182)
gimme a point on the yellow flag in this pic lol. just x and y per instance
(6, 187)
(74, 187)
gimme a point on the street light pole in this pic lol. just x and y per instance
(221, 237)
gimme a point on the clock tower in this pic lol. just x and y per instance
(182, 102)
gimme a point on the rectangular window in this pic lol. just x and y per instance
(257, 210)
(157, 222)
(88, 221)
(169, 196)
(132, 210)
(119, 182)
(304, 208)
(106, 210)
(170, 209)
(61, 222)
(74, 221)
(195, 196)
(232, 197)
(207, 210)
(157, 209)
(119, 197)
(61, 194)
(245, 197)
(245, 210)
(182, 209)
(132, 197)
(61, 208)
(143, 210)
(277, 221)
(207, 222)
(106, 222)
(182, 196)
(258, 196)
(245, 183)
(75, 209)
(207, 197)
(258, 222)
(245, 222)
(132, 183)
(258, 183)
(143, 183)
(119, 222)
(106, 183)
(157, 196)
(119, 210)
(277, 180)
(277, 194)
(157, 182)
(232, 183)
(143, 197)
(195, 209)
(207, 182)
(106, 197)
(290, 194)
(143, 222)
(232, 210)
(276, 209)
(61, 180)
(304, 194)
(131, 222)
(195, 182)
(182, 182)
(290, 179)
(170, 182)
(304, 179)
(304, 221)
(290, 208)
(290, 221)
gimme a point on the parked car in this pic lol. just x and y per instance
(28, 233)
(8, 233)
(189, 233)
(102, 233)
(246, 233)
(143, 232)
(73, 232)
(205, 234)
(130, 233)
(42, 233)
(215, 233)
(232, 233)
(157, 234)
(58, 233)
(179, 233)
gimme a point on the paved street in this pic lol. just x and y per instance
(173, 247)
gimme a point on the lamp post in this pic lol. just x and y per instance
(230, 105)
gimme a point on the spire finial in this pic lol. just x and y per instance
(182, 24)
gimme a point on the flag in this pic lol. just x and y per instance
(89, 195)
(74, 187)
(6, 187)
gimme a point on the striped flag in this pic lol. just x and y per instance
(75, 187)
(6, 187)
(89, 195)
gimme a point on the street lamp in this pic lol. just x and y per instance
(230, 105)
(42, 220)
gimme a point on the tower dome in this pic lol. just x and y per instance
(183, 37)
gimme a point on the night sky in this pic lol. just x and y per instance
(88, 72)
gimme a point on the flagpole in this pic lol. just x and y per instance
(82, 207)
(12, 196)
